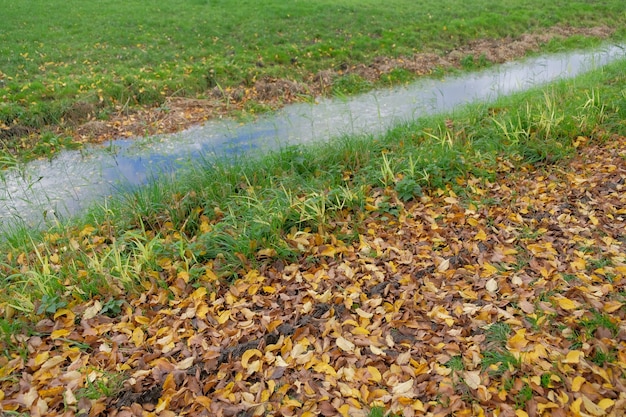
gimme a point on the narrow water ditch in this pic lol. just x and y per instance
(44, 190)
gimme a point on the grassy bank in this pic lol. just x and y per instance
(66, 63)
(467, 262)
(238, 207)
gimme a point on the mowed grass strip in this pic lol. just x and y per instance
(67, 61)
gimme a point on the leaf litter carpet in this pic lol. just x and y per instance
(507, 301)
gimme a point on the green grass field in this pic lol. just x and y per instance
(63, 62)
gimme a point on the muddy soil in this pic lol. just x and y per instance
(178, 113)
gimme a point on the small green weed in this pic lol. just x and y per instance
(596, 321)
(50, 304)
(497, 362)
(594, 264)
(455, 363)
(407, 189)
(8, 330)
(112, 308)
(498, 334)
(523, 396)
(101, 385)
(377, 412)
(601, 358)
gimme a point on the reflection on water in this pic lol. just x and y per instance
(76, 179)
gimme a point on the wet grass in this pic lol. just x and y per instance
(228, 215)
(66, 62)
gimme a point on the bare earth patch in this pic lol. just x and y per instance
(178, 113)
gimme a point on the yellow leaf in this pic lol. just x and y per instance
(575, 406)
(611, 306)
(606, 403)
(268, 289)
(199, 294)
(488, 270)
(360, 331)
(481, 235)
(566, 303)
(170, 382)
(60, 333)
(577, 382)
(418, 406)
(53, 362)
(184, 275)
(87, 230)
(345, 344)
(204, 401)
(138, 337)
(518, 341)
(50, 392)
(329, 251)
(202, 311)
(444, 265)
(205, 227)
(64, 312)
(325, 368)
(573, 356)
(344, 410)
(223, 317)
(41, 358)
(266, 253)
(578, 264)
(375, 374)
(210, 275)
(521, 413)
(472, 221)
(483, 393)
(249, 354)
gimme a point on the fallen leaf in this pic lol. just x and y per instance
(345, 345)
(573, 356)
(518, 340)
(403, 388)
(577, 382)
(472, 379)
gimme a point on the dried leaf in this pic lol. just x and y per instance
(345, 345)
(472, 379)
(573, 356)
(492, 285)
(567, 304)
(403, 388)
